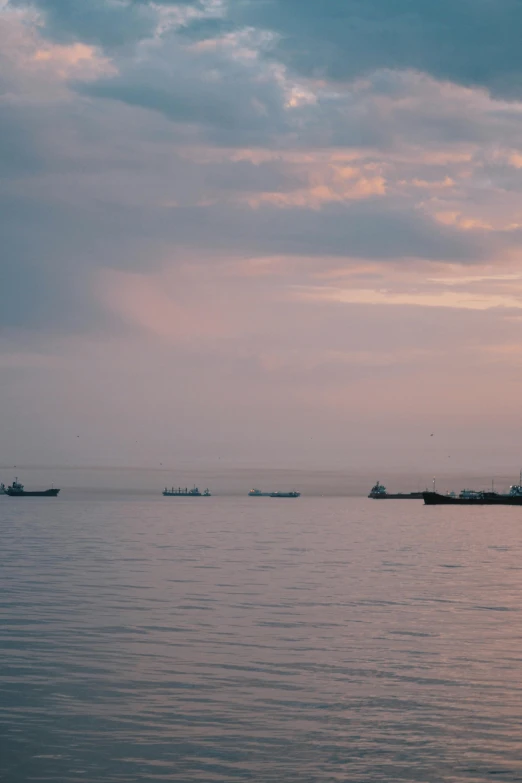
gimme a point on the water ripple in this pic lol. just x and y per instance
(322, 640)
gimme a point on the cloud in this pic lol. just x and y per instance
(269, 107)
(188, 79)
(471, 42)
(95, 22)
(463, 300)
(229, 94)
(335, 230)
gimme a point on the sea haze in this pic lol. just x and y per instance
(84, 482)
(219, 639)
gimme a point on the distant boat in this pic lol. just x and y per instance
(285, 494)
(16, 490)
(256, 493)
(3, 490)
(379, 492)
(185, 493)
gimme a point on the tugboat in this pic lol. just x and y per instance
(379, 492)
(256, 493)
(185, 493)
(16, 490)
(292, 494)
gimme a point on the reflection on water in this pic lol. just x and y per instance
(255, 639)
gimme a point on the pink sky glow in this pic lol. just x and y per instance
(216, 254)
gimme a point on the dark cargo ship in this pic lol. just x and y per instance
(16, 490)
(470, 497)
(185, 493)
(473, 497)
(378, 492)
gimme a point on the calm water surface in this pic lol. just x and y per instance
(224, 639)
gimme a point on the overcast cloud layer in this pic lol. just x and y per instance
(260, 231)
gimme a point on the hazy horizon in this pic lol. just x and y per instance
(106, 480)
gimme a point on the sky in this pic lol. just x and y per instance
(274, 233)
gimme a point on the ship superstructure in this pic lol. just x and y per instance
(379, 492)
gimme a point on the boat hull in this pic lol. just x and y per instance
(398, 496)
(183, 495)
(488, 499)
(46, 493)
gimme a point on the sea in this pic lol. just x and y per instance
(230, 638)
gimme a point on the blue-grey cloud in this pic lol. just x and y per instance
(223, 97)
(336, 230)
(389, 108)
(96, 22)
(473, 42)
(244, 176)
(19, 145)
